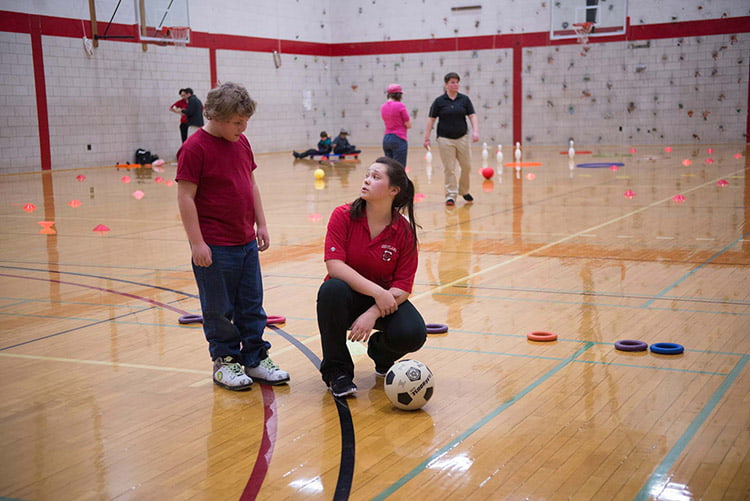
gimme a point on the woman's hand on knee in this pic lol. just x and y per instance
(362, 326)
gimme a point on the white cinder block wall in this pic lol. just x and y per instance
(686, 90)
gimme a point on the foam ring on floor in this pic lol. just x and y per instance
(631, 345)
(191, 319)
(275, 319)
(667, 348)
(436, 328)
(599, 165)
(541, 336)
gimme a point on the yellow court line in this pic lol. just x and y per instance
(109, 364)
(557, 242)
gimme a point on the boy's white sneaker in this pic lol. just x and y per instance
(268, 372)
(228, 374)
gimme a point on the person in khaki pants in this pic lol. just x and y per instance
(450, 110)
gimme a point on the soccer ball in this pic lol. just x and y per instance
(409, 384)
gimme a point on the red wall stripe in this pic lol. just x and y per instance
(36, 26)
(57, 26)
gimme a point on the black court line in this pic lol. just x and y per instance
(346, 462)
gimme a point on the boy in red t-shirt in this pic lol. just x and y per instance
(223, 216)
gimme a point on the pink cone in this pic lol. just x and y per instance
(668, 149)
(722, 182)
(614, 168)
(158, 179)
(418, 197)
(737, 156)
(29, 208)
(687, 162)
(138, 194)
(629, 194)
(710, 151)
(678, 199)
(101, 229)
(709, 160)
(81, 178)
(530, 176)
(314, 217)
(47, 228)
(75, 203)
(125, 179)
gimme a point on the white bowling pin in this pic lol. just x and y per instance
(518, 152)
(499, 155)
(571, 150)
(485, 153)
(428, 156)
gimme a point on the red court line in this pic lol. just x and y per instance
(265, 452)
(270, 417)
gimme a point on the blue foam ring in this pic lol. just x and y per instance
(631, 345)
(667, 348)
(599, 165)
(436, 328)
(191, 319)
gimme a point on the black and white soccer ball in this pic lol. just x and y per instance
(409, 384)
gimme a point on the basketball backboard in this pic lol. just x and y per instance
(609, 17)
(157, 17)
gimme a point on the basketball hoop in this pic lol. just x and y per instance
(178, 35)
(583, 30)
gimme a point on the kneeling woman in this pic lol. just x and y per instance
(371, 259)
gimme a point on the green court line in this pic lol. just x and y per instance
(593, 362)
(602, 305)
(479, 424)
(660, 477)
(692, 272)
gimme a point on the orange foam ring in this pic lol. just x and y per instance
(523, 164)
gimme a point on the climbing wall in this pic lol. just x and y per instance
(677, 90)
(359, 83)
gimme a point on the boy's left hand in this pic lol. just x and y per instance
(261, 235)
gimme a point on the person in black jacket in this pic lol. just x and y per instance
(341, 144)
(193, 112)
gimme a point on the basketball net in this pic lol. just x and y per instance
(583, 30)
(178, 35)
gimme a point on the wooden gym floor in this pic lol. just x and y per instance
(106, 396)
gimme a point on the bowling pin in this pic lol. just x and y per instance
(485, 153)
(499, 155)
(518, 152)
(571, 150)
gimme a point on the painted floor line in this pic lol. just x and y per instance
(561, 240)
(660, 478)
(161, 368)
(691, 273)
(479, 424)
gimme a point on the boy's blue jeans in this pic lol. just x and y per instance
(231, 295)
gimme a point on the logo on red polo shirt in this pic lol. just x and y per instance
(388, 252)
